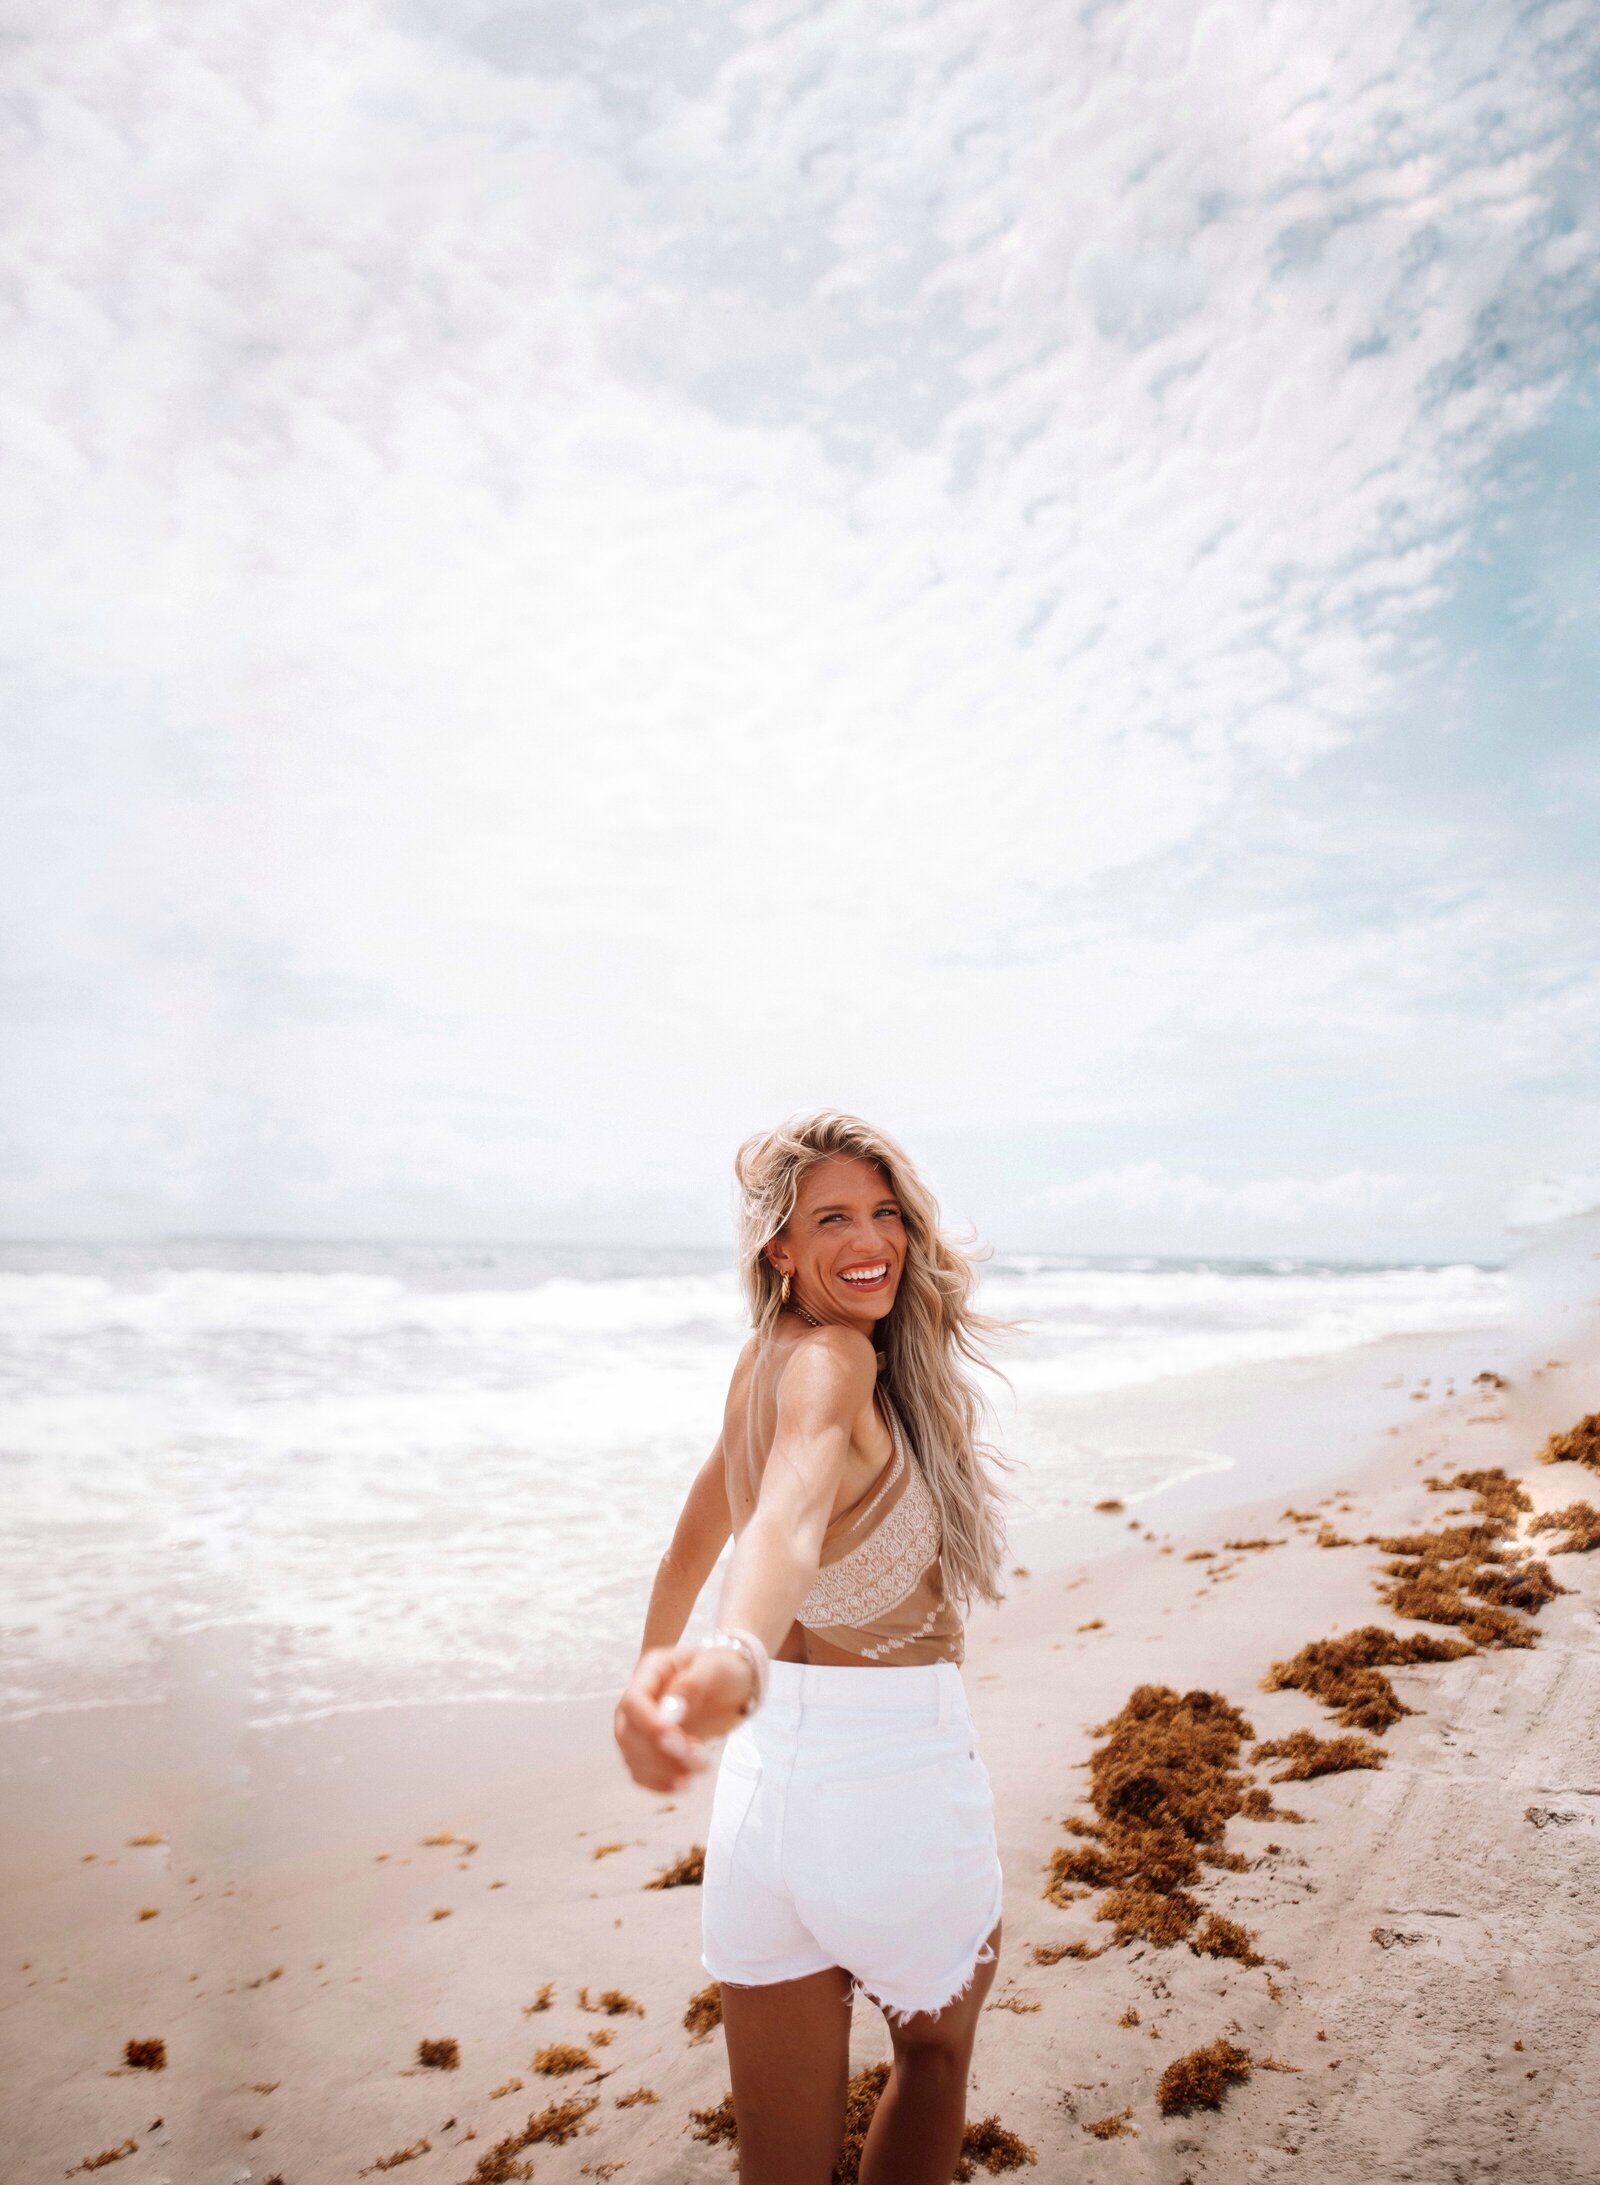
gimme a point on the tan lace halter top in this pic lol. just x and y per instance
(879, 1592)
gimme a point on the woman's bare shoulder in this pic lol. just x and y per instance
(828, 1363)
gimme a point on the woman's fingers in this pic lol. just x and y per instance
(658, 1754)
(652, 1771)
(650, 1680)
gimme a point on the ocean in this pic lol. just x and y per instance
(446, 1472)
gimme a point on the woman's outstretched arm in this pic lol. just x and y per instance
(826, 1385)
(704, 1523)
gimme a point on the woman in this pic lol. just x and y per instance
(851, 1846)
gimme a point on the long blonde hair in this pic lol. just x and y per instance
(932, 1328)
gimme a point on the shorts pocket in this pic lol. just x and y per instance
(888, 1842)
(730, 1808)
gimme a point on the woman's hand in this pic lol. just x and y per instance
(707, 1686)
(712, 1686)
(658, 1753)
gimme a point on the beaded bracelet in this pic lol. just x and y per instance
(747, 1644)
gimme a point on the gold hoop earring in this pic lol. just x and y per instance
(783, 1291)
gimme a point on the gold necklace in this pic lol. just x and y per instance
(812, 1321)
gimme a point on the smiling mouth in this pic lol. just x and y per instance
(867, 1278)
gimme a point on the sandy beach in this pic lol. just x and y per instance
(1413, 1998)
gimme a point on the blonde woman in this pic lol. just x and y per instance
(851, 1847)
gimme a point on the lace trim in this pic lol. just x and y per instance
(893, 1646)
(881, 1571)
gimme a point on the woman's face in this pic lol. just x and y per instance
(845, 1247)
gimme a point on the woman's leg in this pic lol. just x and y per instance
(915, 2135)
(789, 2053)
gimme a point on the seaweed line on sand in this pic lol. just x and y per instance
(1309, 1755)
(1580, 1521)
(1346, 1674)
(1465, 1575)
(1164, 1785)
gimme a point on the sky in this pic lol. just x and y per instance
(583, 577)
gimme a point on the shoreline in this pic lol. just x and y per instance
(1288, 1425)
(305, 1848)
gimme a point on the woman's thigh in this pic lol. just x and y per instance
(951, 2031)
(789, 2056)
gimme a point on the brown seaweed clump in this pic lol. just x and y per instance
(554, 2125)
(423, 2146)
(1164, 1786)
(1346, 1674)
(1464, 1575)
(704, 2014)
(442, 2055)
(1499, 1496)
(145, 2055)
(612, 2001)
(1200, 2079)
(1119, 2125)
(1258, 1805)
(1219, 1937)
(987, 2142)
(1309, 1755)
(558, 2122)
(685, 1873)
(718, 2126)
(542, 2001)
(560, 2058)
(1580, 1521)
(1051, 1953)
(499, 2166)
(639, 2094)
(990, 2144)
(107, 2155)
(1580, 1444)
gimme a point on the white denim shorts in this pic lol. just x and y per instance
(853, 1825)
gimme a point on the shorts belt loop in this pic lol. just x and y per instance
(947, 1674)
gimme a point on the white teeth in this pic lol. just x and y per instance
(863, 1275)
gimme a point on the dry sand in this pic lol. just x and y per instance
(1429, 1931)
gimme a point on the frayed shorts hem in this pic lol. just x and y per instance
(898, 2009)
(901, 2012)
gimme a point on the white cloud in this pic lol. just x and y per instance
(623, 557)
(1147, 1187)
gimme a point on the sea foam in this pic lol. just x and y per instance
(430, 1474)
